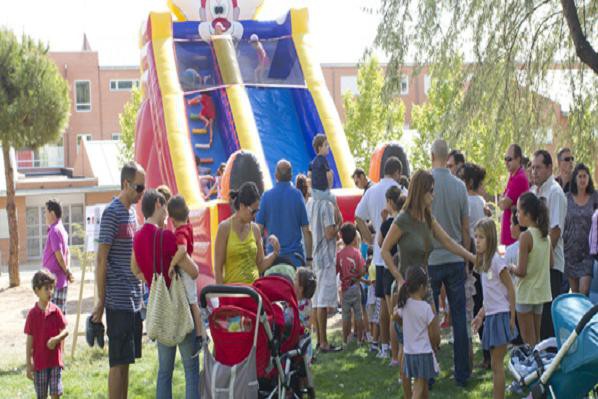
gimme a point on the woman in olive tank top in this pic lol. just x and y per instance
(239, 251)
(414, 228)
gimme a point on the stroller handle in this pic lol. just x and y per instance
(227, 290)
(586, 319)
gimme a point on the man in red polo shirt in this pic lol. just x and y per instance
(517, 185)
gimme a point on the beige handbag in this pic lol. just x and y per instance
(169, 317)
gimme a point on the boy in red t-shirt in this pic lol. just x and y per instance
(45, 329)
(351, 268)
(179, 214)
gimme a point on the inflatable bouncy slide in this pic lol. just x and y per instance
(220, 87)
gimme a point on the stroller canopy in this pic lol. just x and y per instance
(567, 311)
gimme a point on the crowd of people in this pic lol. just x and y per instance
(423, 248)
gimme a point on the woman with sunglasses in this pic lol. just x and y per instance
(581, 202)
(239, 251)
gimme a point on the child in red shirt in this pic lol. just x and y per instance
(350, 265)
(45, 329)
(179, 214)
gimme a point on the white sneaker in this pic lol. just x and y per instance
(368, 337)
(382, 354)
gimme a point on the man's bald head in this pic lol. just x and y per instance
(440, 151)
(284, 172)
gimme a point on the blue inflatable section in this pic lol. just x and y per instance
(279, 128)
(223, 145)
(312, 125)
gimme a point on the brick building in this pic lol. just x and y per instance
(82, 168)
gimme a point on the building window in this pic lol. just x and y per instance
(4, 225)
(123, 84)
(404, 85)
(82, 95)
(349, 84)
(84, 136)
(115, 136)
(427, 84)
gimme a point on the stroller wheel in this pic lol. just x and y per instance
(311, 393)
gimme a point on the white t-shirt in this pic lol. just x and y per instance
(370, 207)
(476, 210)
(512, 258)
(496, 298)
(556, 201)
(417, 316)
(512, 254)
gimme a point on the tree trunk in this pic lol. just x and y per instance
(11, 213)
(583, 48)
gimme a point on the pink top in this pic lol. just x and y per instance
(496, 297)
(58, 240)
(417, 316)
(350, 265)
(594, 234)
(143, 248)
(516, 186)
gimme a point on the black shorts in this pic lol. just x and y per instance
(388, 280)
(379, 281)
(124, 330)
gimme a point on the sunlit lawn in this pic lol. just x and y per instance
(352, 373)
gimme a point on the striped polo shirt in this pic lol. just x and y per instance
(117, 228)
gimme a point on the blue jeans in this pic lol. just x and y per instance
(452, 275)
(166, 355)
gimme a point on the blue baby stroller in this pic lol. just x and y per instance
(565, 366)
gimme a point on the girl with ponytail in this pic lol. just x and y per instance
(421, 333)
(533, 269)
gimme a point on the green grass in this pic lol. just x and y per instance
(352, 373)
(359, 374)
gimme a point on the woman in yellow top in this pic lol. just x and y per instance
(533, 270)
(239, 251)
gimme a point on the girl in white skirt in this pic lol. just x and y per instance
(421, 332)
(499, 302)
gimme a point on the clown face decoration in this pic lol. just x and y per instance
(219, 17)
(191, 10)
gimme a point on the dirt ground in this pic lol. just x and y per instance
(16, 302)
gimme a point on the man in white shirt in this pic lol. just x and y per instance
(370, 208)
(547, 188)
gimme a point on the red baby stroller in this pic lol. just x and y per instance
(256, 335)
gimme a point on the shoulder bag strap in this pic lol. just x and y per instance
(154, 252)
(160, 251)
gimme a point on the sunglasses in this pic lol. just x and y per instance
(254, 211)
(569, 159)
(431, 191)
(508, 159)
(137, 187)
